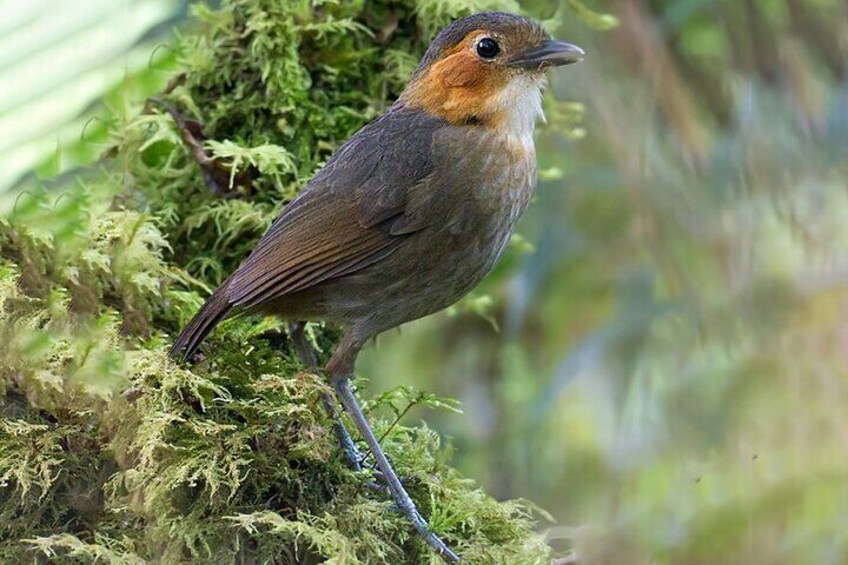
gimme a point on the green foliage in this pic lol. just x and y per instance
(58, 58)
(671, 375)
(591, 17)
(109, 452)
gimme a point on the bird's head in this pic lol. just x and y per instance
(487, 69)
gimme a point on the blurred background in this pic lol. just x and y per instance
(661, 359)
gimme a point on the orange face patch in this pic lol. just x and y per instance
(462, 69)
(459, 87)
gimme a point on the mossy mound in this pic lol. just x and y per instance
(111, 453)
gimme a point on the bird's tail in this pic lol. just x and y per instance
(212, 312)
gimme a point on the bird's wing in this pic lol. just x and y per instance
(350, 215)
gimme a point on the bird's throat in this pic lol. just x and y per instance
(508, 103)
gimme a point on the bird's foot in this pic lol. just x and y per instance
(384, 474)
(404, 480)
(402, 501)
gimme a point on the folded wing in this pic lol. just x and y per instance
(351, 214)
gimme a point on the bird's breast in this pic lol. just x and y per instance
(503, 179)
(491, 176)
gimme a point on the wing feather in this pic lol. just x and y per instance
(350, 215)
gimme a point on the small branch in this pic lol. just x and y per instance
(216, 175)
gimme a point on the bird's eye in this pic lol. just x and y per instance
(488, 48)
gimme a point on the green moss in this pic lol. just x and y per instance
(109, 452)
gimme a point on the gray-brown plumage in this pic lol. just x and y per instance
(412, 211)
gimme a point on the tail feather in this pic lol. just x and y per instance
(212, 312)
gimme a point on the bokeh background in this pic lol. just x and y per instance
(661, 360)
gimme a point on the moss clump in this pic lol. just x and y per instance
(108, 451)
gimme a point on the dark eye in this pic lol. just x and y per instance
(488, 48)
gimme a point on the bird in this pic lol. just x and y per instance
(410, 213)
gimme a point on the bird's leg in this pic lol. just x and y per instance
(340, 369)
(309, 357)
(304, 350)
(404, 503)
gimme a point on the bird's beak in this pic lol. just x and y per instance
(551, 53)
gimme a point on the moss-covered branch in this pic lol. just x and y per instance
(108, 451)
